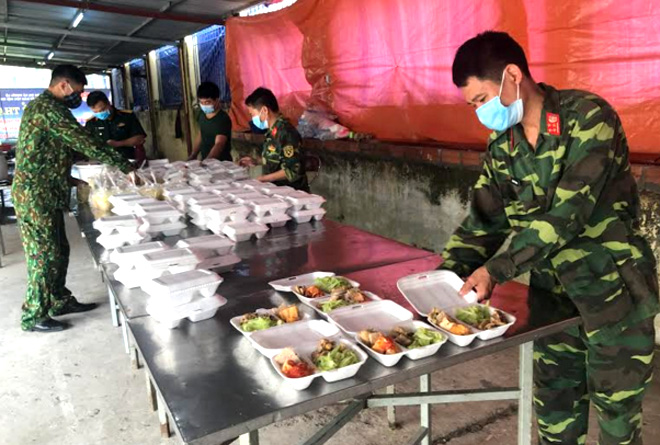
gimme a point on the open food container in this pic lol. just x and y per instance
(122, 224)
(324, 306)
(308, 279)
(305, 216)
(271, 341)
(207, 245)
(172, 260)
(416, 351)
(380, 315)
(243, 231)
(439, 290)
(305, 201)
(180, 288)
(272, 220)
(305, 352)
(267, 314)
(127, 256)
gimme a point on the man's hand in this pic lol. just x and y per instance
(112, 143)
(192, 157)
(481, 282)
(247, 161)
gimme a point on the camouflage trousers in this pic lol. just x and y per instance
(570, 372)
(47, 255)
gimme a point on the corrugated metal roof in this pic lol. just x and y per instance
(121, 31)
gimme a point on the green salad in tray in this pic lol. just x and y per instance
(330, 355)
(480, 317)
(328, 284)
(258, 322)
(416, 339)
(330, 306)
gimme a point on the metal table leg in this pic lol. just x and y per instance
(526, 383)
(124, 333)
(425, 408)
(151, 393)
(391, 410)
(162, 418)
(251, 438)
(113, 308)
(135, 358)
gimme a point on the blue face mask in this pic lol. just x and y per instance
(103, 115)
(496, 116)
(261, 125)
(207, 109)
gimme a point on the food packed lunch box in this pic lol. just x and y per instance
(439, 289)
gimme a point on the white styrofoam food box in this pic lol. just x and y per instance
(173, 260)
(272, 220)
(243, 231)
(167, 229)
(180, 288)
(305, 216)
(127, 256)
(213, 244)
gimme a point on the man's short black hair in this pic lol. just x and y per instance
(208, 90)
(262, 97)
(96, 97)
(69, 72)
(485, 57)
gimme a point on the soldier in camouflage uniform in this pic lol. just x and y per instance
(282, 152)
(556, 177)
(48, 136)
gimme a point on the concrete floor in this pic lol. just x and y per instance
(77, 388)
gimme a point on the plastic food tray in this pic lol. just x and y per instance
(305, 351)
(129, 255)
(439, 289)
(236, 321)
(305, 201)
(271, 341)
(305, 216)
(381, 315)
(167, 229)
(174, 260)
(180, 288)
(243, 231)
(273, 220)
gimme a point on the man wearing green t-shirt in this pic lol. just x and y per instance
(214, 138)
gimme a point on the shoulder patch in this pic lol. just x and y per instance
(289, 151)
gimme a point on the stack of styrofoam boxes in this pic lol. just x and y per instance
(215, 251)
(127, 258)
(162, 218)
(170, 261)
(124, 204)
(119, 230)
(305, 207)
(197, 207)
(180, 200)
(270, 211)
(199, 176)
(159, 163)
(219, 216)
(188, 295)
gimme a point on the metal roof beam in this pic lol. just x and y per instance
(56, 59)
(13, 26)
(135, 12)
(77, 52)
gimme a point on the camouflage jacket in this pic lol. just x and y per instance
(571, 207)
(48, 136)
(282, 151)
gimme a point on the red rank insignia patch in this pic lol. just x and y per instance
(553, 124)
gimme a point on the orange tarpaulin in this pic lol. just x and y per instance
(384, 66)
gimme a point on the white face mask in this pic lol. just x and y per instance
(496, 116)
